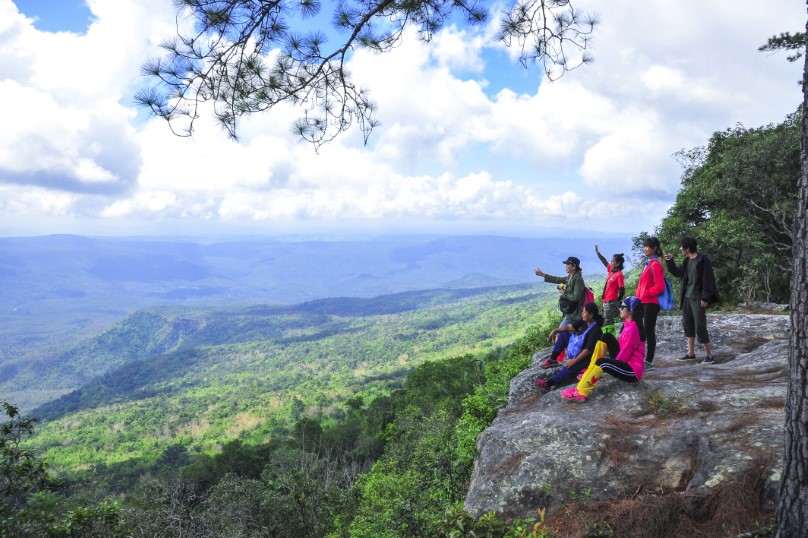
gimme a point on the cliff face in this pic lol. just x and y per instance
(687, 427)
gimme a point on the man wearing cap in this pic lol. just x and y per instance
(573, 291)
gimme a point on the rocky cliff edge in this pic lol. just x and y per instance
(687, 427)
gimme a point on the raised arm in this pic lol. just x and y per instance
(602, 259)
(673, 269)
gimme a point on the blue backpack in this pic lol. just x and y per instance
(576, 343)
(666, 299)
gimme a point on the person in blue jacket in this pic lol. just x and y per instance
(584, 336)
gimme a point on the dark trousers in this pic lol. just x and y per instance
(650, 313)
(562, 339)
(694, 320)
(612, 345)
(565, 375)
(619, 369)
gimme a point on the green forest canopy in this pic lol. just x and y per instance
(738, 198)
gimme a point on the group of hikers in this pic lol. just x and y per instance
(586, 344)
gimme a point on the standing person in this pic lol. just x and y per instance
(650, 286)
(615, 287)
(626, 358)
(698, 292)
(585, 335)
(572, 288)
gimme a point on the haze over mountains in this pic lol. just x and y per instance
(60, 290)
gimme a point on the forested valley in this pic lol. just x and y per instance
(308, 420)
(340, 417)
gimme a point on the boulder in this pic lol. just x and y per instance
(686, 427)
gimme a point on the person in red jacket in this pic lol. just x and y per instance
(650, 286)
(615, 286)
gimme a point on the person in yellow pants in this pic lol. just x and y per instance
(626, 360)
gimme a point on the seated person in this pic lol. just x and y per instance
(562, 338)
(584, 336)
(626, 359)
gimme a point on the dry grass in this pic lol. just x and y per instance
(663, 405)
(618, 449)
(716, 385)
(617, 425)
(770, 370)
(728, 510)
(740, 422)
(618, 445)
(772, 403)
(707, 406)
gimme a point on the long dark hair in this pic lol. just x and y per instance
(637, 317)
(654, 243)
(592, 308)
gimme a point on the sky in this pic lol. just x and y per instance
(469, 141)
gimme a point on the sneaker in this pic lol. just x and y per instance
(649, 366)
(550, 363)
(709, 359)
(543, 384)
(686, 358)
(573, 395)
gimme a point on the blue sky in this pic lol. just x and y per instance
(470, 142)
(57, 15)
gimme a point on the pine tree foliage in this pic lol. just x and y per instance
(786, 41)
(247, 56)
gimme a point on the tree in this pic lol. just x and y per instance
(738, 198)
(792, 509)
(21, 472)
(246, 56)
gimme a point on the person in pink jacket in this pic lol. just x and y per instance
(626, 359)
(650, 286)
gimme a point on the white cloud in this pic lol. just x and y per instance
(70, 143)
(458, 49)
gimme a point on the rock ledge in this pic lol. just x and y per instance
(686, 427)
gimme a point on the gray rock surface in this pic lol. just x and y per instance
(687, 427)
(763, 307)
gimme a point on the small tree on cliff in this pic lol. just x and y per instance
(245, 56)
(21, 472)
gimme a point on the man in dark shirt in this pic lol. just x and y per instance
(697, 293)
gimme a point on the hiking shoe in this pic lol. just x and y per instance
(686, 358)
(543, 384)
(550, 363)
(709, 359)
(649, 366)
(573, 395)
